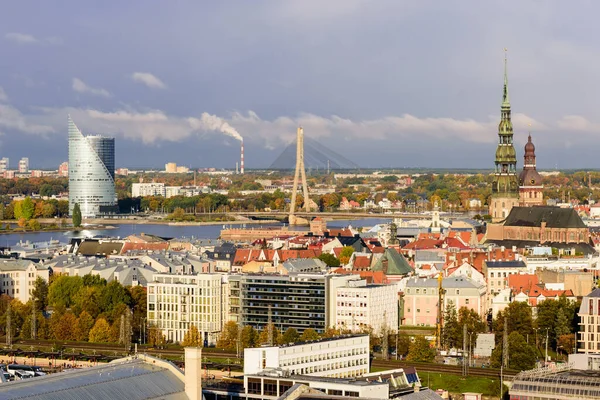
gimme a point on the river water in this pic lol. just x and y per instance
(169, 231)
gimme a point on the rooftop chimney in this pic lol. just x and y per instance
(193, 373)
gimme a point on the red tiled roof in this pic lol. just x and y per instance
(362, 262)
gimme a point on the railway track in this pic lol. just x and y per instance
(446, 369)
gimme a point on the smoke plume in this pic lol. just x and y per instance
(213, 123)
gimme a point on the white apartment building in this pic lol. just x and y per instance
(147, 189)
(24, 165)
(17, 278)
(175, 302)
(361, 305)
(497, 273)
(341, 357)
(4, 164)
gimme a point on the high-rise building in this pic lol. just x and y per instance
(91, 173)
(24, 165)
(505, 187)
(4, 164)
(63, 169)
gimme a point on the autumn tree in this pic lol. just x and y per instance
(290, 335)
(100, 332)
(263, 337)
(249, 337)
(420, 350)
(63, 289)
(83, 326)
(27, 208)
(155, 337)
(229, 336)
(40, 294)
(309, 335)
(192, 337)
(61, 327)
(345, 254)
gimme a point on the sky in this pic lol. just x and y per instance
(386, 83)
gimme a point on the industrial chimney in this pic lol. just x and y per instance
(193, 373)
(242, 159)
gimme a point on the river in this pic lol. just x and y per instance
(169, 231)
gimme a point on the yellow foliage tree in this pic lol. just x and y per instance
(192, 337)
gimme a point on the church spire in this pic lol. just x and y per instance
(505, 98)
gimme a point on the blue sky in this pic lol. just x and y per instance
(385, 83)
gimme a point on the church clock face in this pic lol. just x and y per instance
(533, 181)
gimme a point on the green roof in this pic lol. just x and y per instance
(392, 263)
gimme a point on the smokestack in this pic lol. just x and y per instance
(242, 159)
(236, 168)
(193, 373)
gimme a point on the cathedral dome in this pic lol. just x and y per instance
(529, 148)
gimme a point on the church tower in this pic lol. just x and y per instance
(505, 187)
(530, 182)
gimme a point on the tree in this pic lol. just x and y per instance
(229, 336)
(309, 335)
(84, 324)
(263, 337)
(249, 337)
(475, 324)
(403, 345)
(155, 337)
(113, 295)
(420, 350)
(519, 317)
(27, 208)
(521, 356)
(63, 289)
(451, 332)
(34, 225)
(61, 327)
(76, 215)
(48, 210)
(567, 343)
(329, 259)
(100, 332)
(192, 337)
(562, 324)
(345, 254)
(290, 335)
(39, 294)
(87, 299)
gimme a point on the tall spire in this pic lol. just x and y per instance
(505, 98)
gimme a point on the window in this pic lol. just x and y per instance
(466, 301)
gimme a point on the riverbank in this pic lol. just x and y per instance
(21, 231)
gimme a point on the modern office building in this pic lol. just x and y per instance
(91, 173)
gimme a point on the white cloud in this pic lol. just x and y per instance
(25, 38)
(148, 79)
(81, 87)
(3, 96)
(20, 38)
(12, 118)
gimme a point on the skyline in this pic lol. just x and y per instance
(403, 84)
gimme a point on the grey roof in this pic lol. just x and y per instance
(12, 264)
(305, 265)
(131, 380)
(554, 217)
(584, 308)
(458, 282)
(506, 264)
(430, 256)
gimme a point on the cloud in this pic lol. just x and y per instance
(25, 38)
(81, 87)
(3, 96)
(12, 118)
(148, 79)
(20, 38)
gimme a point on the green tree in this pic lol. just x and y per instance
(28, 208)
(17, 209)
(420, 350)
(521, 356)
(519, 317)
(192, 337)
(76, 215)
(63, 289)
(309, 335)
(87, 299)
(114, 294)
(475, 324)
(345, 254)
(403, 345)
(39, 294)
(329, 259)
(452, 332)
(229, 336)
(100, 332)
(34, 225)
(290, 335)
(263, 337)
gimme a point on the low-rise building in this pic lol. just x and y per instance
(147, 189)
(17, 277)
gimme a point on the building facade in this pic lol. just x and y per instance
(339, 357)
(588, 339)
(421, 298)
(24, 165)
(147, 189)
(91, 173)
(359, 305)
(505, 186)
(175, 302)
(17, 278)
(531, 190)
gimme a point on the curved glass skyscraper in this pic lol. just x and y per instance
(91, 173)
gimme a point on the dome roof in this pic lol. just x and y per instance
(529, 147)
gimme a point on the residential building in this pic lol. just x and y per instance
(340, 357)
(147, 189)
(505, 185)
(91, 173)
(17, 277)
(531, 190)
(171, 168)
(421, 298)
(588, 340)
(360, 305)
(497, 273)
(24, 165)
(175, 302)
(4, 164)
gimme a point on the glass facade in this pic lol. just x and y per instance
(91, 173)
